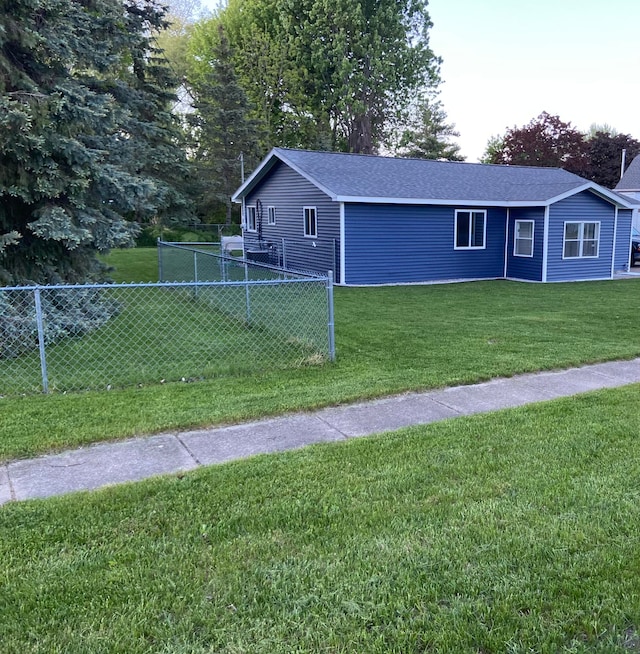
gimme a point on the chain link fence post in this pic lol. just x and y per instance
(195, 273)
(331, 322)
(43, 354)
(160, 247)
(246, 290)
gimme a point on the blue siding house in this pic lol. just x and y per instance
(380, 220)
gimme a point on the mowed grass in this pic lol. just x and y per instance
(163, 334)
(389, 340)
(509, 532)
(132, 265)
(171, 334)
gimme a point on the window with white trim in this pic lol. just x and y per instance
(470, 229)
(523, 238)
(271, 215)
(310, 221)
(251, 219)
(581, 240)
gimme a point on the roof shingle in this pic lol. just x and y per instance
(352, 175)
(355, 177)
(630, 181)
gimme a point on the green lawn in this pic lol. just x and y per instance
(389, 340)
(175, 334)
(135, 265)
(510, 532)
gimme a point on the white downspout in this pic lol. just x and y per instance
(615, 237)
(343, 281)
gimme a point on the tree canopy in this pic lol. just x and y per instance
(427, 135)
(89, 145)
(223, 131)
(605, 156)
(328, 74)
(548, 141)
(544, 141)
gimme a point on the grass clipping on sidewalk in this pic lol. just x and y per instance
(515, 531)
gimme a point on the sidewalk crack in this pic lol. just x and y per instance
(12, 490)
(188, 450)
(328, 424)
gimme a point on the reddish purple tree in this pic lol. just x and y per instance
(545, 141)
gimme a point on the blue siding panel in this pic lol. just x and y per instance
(529, 268)
(289, 192)
(584, 206)
(386, 244)
(623, 240)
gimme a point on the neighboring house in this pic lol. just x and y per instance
(380, 220)
(629, 185)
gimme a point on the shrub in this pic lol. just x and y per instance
(66, 312)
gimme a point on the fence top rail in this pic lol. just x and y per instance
(254, 282)
(187, 245)
(226, 257)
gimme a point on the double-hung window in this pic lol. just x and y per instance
(271, 215)
(470, 229)
(581, 240)
(310, 222)
(523, 238)
(251, 219)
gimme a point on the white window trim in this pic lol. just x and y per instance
(248, 210)
(271, 211)
(455, 230)
(515, 237)
(581, 239)
(304, 221)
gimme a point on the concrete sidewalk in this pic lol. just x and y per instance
(138, 458)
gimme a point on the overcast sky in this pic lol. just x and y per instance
(507, 61)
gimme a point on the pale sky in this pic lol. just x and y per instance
(507, 61)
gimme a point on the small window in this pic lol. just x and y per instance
(310, 222)
(470, 228)
(581, 240)
(251, 219)
(523, 242)
(271, 215)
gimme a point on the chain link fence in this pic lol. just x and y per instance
(227, 317)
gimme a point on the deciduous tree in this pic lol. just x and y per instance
(548, 141)
(545, 141)
(605, 156)
(330, 73)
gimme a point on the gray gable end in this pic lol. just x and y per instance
(631, 179)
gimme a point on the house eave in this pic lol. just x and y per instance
(589, 186)
(278, 155)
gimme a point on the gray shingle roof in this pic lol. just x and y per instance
(352, 177)
(349, 175)
(631, 179)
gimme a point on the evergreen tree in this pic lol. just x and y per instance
(88, 144)
(223, 129)
(428, 135)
